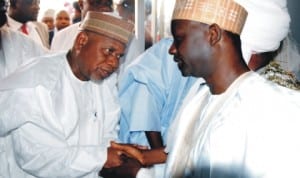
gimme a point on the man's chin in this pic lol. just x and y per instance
(97, 79)
(184, 74)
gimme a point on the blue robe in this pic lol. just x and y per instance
(151, 92)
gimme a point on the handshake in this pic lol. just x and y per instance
(125, 160)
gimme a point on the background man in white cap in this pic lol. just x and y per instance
(64, 39)
(60, 111)
(62, 20)
(49, 19)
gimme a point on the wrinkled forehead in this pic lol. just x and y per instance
(184, 26)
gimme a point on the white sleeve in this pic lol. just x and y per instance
(146, 173)
(55, 44)
(40, 145)
(53, 157)
(45, 154)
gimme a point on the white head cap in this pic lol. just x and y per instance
(227, 14)
(266, 26)
(49, 13)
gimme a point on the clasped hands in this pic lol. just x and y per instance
(124, 160)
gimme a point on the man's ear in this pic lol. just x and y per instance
(215, 34)
(81, 40)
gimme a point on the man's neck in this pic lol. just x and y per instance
(219, 83)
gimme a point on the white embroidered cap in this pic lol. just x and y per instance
(227, 14)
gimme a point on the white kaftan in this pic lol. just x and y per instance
(63, 40)
(37, 31)
(55, 124)
(16, 49)
(244, 132)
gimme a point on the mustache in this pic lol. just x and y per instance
(177, 58)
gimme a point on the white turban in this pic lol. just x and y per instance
(266, 26)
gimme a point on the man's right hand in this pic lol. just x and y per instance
(131, 151)
(128, 169)
(113, 158)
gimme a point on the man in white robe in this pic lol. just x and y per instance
(22, 17)
(60, 112)
(188, 126)
(63, 40)
(151, 92)
(224, 131)
(15, 49)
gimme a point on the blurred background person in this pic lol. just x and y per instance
(63, 40)
(15, 48)
(62, 20)
(82, 79)
(76, 12)
(48, 19)
(22, 16)
(126, 9)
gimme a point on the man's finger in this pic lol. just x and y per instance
(129, 151)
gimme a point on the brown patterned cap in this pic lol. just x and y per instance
(108, 24)
(227, 14)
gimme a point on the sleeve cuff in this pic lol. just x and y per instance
(146, 173)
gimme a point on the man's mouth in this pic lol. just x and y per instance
(179, 62)
(105, 71)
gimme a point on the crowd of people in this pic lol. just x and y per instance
(211, 101)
